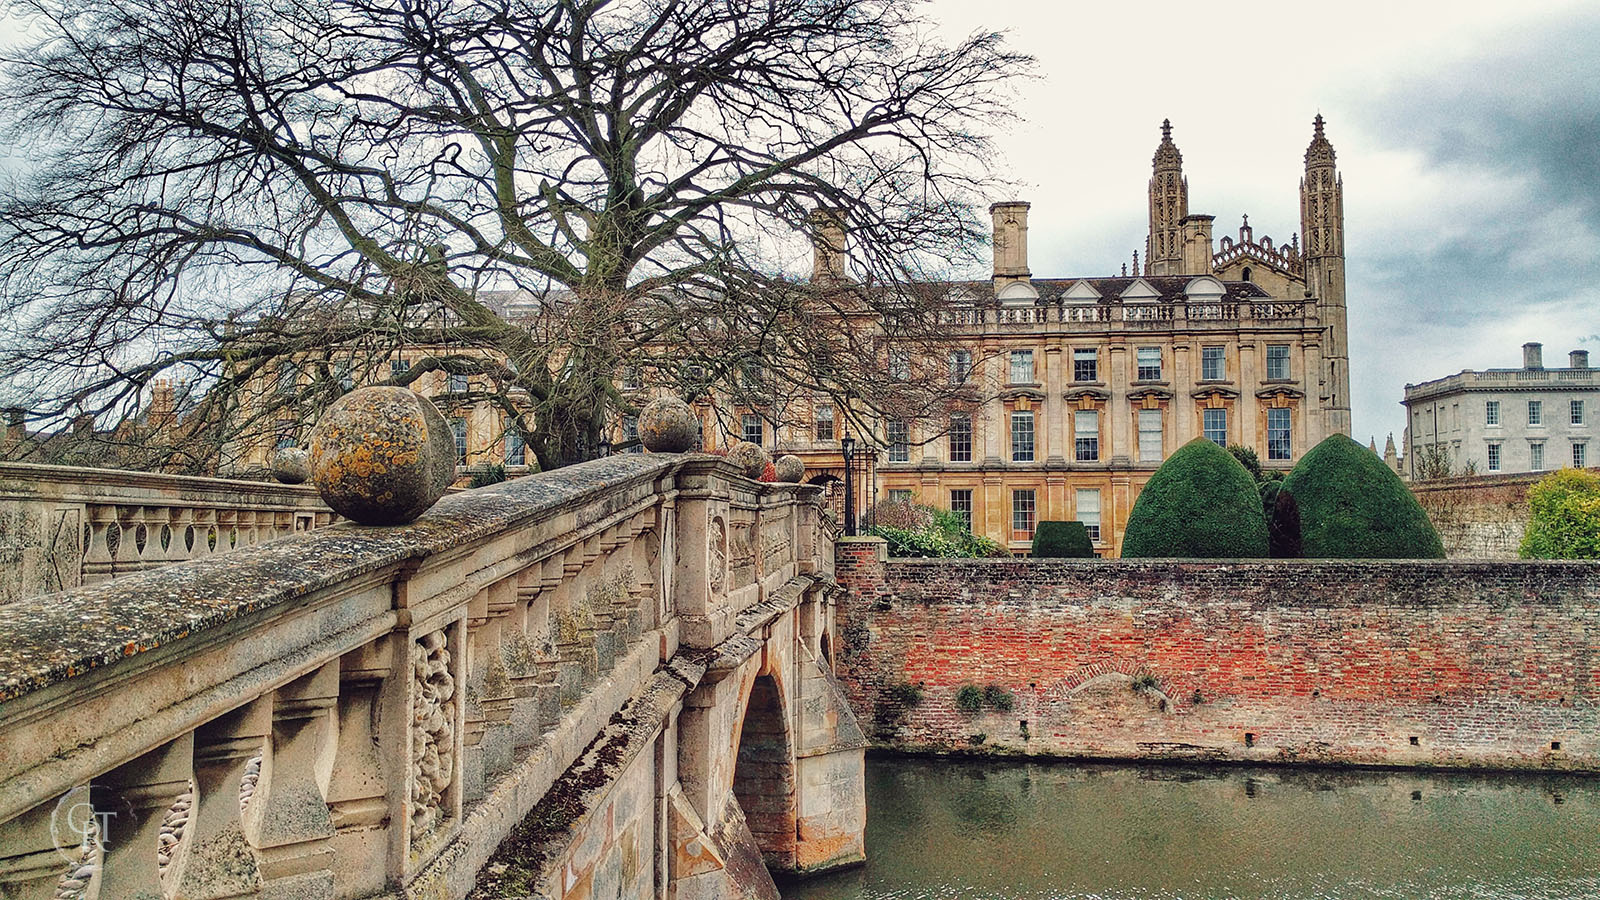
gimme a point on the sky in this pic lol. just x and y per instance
(1467, 132)
(1468, 135)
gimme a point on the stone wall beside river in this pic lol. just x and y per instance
(1471, 664)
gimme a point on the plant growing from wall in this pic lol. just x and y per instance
(969, 699)
(913, 530)
(1058, 540)
(1352, 506)
(1200, 504)
(905, 694)
(997, 697)
(1564, 521)
(487, 474)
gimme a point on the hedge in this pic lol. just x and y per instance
(1565, 517)
(1062, 540)
(1352, 506)
(1201, 504)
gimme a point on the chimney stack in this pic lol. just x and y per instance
(1010, 240)
(1533, 355)
(1578, 359)
(16, 427)
(827, 240)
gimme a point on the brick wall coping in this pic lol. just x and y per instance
(1456, 566)
(27, 481)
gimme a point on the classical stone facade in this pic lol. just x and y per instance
(1531, 419)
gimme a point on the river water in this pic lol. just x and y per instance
(953, 830)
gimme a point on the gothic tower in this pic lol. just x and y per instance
(1169, 206)
(1322, 223)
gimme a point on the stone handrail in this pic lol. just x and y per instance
(365, 712)
(63, 526)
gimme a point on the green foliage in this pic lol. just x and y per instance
(905, 693)
(1062, 540)
(487, 474)
(1352, 506)
(1565, 517)
(1201, 504)
(1144, 681)
(1247, 457)
(999, 698)
(1283, 523)
(930, 532)
(969, 699)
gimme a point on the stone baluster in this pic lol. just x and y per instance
(364, 787)
(525, 632)
(220, 863)
(97, 560)
(203, 521)
(542, 631)
(228, 536)
(174, 519)
(284, 524)
(287, 820)
(496, 695)
(564, 624)
(138, 795)
(580, 579)
(31, 858)
(476, 722)
(126, 557)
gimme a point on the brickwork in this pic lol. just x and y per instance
(1480, 516)
(1390, 663)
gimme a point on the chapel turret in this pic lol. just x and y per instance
(1322, 224)
(1169, 206)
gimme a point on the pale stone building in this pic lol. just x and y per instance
(1530, 419)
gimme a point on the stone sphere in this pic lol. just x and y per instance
(750, 458)
(291, 465)
(668, 425)
(790, 468)
(382, 455)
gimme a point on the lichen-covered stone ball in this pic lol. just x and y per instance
(750, 458)
(291, 465)
(668, 425)
(382, 455)
(789, 468)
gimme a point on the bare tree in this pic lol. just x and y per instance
(224, 187)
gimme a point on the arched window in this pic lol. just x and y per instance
(1246, 274)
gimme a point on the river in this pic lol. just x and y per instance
(952, 830)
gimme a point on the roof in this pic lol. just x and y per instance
(1170, 288)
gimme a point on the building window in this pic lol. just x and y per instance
(1580, 454)
(1536, 457)
(1021, 367)
(1149, 364)
(1086, 434)
(960, 366)
(1576, 412)
(1211, 364)
(1150, 435)
(459, 426)
(458, 383)
(1491, 412)
(347, 379)
(1085, 365)
(632, 378)
(1494, 457)
(752, 427)
(286, 378)
(1278, 361)
(1089, 512)
(960, 436)
(630, 434)
(1216, 425)
(1535, 412)
(1022, 515)
(286, 441)
(1278, 443)
(961, 505)
(824, 422)
(398, 367)
(900, 364)
(1022, 437)
(900, 495)
(516, 450)
(899, 441)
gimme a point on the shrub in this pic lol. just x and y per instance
(901, 514)
(1062, 540)
(969, 699)
(921, 531)
(1283, 523)
(487, 474)
(1352, 506)
(999, 698)
(1200, 504)
(905, 693)
(1247, 457)
(1565, 517)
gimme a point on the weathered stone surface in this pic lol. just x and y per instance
(750, 458)
(382, 455)
(668, 425)
(291, 465)
(790, 469)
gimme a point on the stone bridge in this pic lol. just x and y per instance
(612, 680)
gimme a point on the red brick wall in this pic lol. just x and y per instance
(1483, 664)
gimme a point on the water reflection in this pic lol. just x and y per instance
(1018, 831)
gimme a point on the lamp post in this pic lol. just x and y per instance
(848, 447)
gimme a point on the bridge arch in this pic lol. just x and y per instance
(764, 780)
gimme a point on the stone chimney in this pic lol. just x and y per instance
(16, 427)
(161, 402)
(1578, 359)
(1010, 240)
(1533, 355)
(827, 241)
(83, 425)
(1196, 239)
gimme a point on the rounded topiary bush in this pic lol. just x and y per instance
(1352, 506)
(1062, 540)
(1201, 504)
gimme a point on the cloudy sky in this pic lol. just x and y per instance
(1468, 134)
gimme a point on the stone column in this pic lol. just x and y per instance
(31, 864)
(288, 820)
(1122, 450)
(1054, 433)
(361, 804)
(140, 793)
(220, 863)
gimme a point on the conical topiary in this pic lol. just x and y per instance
(1352, 506)
(1062, 540)
(1200, 504)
